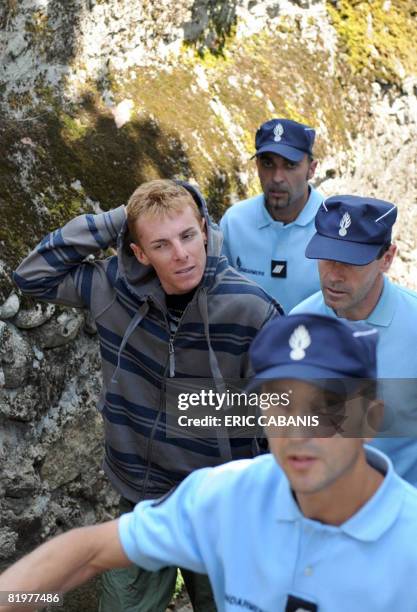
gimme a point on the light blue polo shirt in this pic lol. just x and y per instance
(395, 317)
(240, 524)
(253, 240)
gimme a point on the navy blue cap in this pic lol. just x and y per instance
(311, 347)
(285, 137)
(351, 229)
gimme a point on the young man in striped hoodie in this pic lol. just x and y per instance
(168, 305)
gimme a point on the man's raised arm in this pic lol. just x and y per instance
(65, 562)
(57, 271)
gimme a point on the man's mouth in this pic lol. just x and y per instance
(277, 194)
(301, 462)
(184, 271)
(334, 292)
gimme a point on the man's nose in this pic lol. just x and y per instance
(278, 175)
(179, 250)
(333, 270)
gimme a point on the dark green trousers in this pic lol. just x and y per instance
(134, 589)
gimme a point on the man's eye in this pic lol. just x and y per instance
(291, 166)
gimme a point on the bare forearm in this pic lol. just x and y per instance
(65, 562)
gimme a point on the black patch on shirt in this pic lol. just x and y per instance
(278, 268)
(296, 604)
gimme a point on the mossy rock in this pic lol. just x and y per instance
(71, 156)
(377, 37)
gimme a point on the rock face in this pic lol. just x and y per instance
(98, 96)
(385, 166)
(51, 435)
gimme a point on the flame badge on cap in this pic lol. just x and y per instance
(299, 340)
(345, 222)
(278, 132)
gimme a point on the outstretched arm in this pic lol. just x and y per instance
(155, 535)
(65, 562)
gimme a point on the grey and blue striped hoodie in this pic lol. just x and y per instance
(128, 305)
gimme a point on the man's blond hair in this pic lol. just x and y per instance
(156, 199)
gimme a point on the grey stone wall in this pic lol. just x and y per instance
(51, 433)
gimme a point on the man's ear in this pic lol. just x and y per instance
(312, 169)
(373, 419)
(139, 253)
(387, 258)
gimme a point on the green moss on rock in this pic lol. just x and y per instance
(377, 36)
(194, 119)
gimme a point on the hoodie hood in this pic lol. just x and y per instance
(142, 280)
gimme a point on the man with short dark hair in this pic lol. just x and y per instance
(166, 306)
(265, 236)
(353, 247)
(317, 534)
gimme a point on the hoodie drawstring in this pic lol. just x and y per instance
(141, 313)
(222, 440)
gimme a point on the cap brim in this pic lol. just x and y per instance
(334, 249)
(323, 378)
(290, 153)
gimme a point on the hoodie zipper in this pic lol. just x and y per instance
(171, 357)
(171, 367)
(171, 349)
